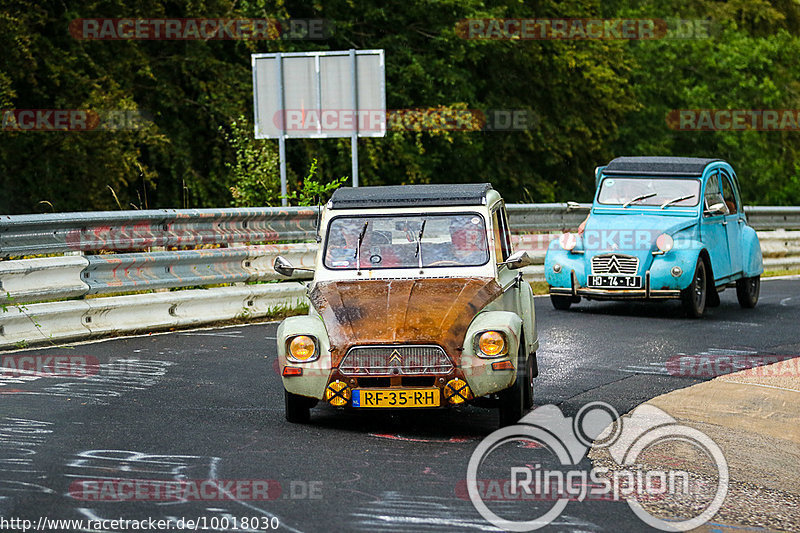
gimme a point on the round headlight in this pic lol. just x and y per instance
(568, 241)
(302, 348)
(491, 343)
(665, 242)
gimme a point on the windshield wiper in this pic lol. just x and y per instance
(418, 253)
(642, 197)
(675, 200)
(358, 246)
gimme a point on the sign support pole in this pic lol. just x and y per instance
(354, 135)
(282, 137)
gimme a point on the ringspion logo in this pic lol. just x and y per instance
(546, 475)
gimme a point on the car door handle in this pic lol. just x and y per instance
(741, 221)
(724, 222)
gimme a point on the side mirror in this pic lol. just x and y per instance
(283, 267)
(716, 209)
(518, 260)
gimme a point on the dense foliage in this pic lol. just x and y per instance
(591, 99)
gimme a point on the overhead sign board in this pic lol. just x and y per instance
(319, 94)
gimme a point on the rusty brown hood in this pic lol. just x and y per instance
(413, 311)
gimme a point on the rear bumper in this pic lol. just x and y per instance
(616, 294)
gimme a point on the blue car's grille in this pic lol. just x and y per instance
(615, 264)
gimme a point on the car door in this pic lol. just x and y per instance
(733, 222)
(517, 295)
(713, 229)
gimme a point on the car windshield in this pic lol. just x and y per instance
(666, 192)
(399, 241)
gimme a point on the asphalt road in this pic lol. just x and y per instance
(208, 404)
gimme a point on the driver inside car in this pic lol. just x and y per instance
(468, 242)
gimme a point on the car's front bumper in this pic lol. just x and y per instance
(646, 293)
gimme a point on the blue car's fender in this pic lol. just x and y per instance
(752, 262)
(568, 261)
(684, 256)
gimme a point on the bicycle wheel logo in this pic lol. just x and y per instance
(597, 427)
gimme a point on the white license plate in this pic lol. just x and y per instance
(615, 282)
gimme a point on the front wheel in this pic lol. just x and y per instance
(528, 404)
(747, 291)
(561, 303)
(298, 408)
(694, 296)
(513, 399)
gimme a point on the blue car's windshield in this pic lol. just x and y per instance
(666, 192)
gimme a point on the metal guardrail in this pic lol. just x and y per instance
(563, 217)
(211, 251)
(773, 217)
(136, 230)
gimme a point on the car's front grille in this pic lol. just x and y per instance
(392, 360)
(615, 264)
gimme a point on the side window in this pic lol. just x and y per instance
(502, 248)
(728, 195)
(713, 193)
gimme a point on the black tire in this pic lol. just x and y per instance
(747, 291)
(298, 408)
(713, 299)
(561, 303)
(694, 296)
(512, 400)
(528, 404)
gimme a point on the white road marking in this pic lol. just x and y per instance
(234, 334)
(212, 476)
(790, 276)
(783, 302)
(657, 369)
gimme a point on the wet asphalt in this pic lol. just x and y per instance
(208, 404)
